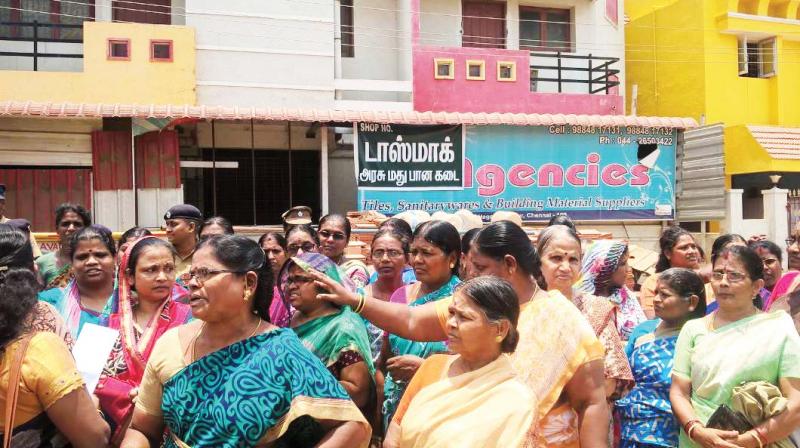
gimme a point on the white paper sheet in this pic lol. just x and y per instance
(91, 352)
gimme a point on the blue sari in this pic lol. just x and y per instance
(262, 390)
(393, 390)
(67, 302)
(645, 414)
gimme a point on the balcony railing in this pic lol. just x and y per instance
(36, 39)
(597, 72)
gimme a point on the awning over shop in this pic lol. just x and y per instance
(71, 110)
(756, 149)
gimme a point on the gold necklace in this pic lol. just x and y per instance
(203, 327)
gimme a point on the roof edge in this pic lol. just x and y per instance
(94, 110)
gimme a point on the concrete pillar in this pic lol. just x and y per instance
(775, 201)
(733, 212)
(102, 10)
(404, 38)
(512, 25)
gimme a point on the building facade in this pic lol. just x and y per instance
(733, 63)
(133, 106)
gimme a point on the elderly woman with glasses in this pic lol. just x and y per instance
(738, 357)
(336, 335)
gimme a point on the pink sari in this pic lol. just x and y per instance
(125, 367)
(787, 283)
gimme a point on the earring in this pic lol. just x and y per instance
(498, 339)
(452, 265)
(247, 296)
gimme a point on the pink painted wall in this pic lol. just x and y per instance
(490, 95)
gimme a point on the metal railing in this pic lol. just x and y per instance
(590, 71)
(36, 39)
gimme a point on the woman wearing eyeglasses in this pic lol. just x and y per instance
(334, 234)
(148, 306)
(230, 378)
(336, 335)
(301, 238)
(723, 354)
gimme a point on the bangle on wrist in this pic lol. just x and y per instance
(754, 435)
(692, 427)
(689, 424)
(761, 435)
(362, 300)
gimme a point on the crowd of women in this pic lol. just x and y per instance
(482, 339)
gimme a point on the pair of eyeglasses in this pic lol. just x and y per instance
(307, 247)
(338, 236)
(391, 253)
(202, 275)
(298, 279)
(732, 276)
(790, 241)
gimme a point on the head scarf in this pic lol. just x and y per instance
(601, 260)
(309, 261)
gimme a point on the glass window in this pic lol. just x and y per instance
(544, 29)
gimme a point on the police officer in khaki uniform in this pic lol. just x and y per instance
(183, 229)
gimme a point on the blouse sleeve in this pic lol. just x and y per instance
(150, 392)
(165, 361)
(443, 311)
(684, 347)
(54, 374)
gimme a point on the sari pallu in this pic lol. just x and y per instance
(125, 366)
(645, 414)
(329, 337)
(601, 313)
(393, 390)
(555, 340)
(762, 347)
(68, 304)
(263, 390)
(485, 407)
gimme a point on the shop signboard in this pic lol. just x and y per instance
(586, 172)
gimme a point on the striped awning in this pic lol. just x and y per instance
(154, 111)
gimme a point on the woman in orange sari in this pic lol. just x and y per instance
(148, 307)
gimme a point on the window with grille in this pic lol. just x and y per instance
(757, 59)
(545, 29)
(347, 29)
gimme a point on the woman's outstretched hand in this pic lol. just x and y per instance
(335, 292)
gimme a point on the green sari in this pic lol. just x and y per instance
(762, 347)
(338, 339)
(332, 336)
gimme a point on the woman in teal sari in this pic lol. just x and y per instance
(232, 379)
(733, 346)
(89, 297)
(336, 335)
(435, 253)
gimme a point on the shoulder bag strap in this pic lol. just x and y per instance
(13, 389)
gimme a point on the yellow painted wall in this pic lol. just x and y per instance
(102, 81)
(665, 58)
(683, 55)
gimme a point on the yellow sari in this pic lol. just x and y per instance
(485, 407)
(555, 340)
